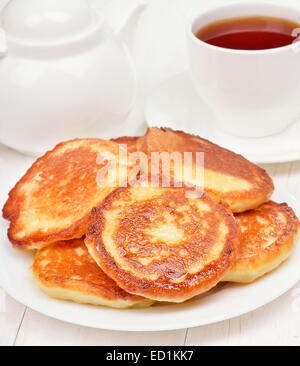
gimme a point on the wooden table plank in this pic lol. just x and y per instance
(10, 321)
(38, 330)
(274, 324)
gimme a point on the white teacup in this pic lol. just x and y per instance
(253, 93)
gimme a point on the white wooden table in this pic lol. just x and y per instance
(277, 323)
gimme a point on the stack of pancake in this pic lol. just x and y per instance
(133, 241)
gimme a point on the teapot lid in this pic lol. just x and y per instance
(38, 21)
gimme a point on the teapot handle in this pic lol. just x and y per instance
(3, 45)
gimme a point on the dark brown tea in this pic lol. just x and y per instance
(250, 33)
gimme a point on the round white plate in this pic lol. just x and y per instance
(175, 104)
(224, 302)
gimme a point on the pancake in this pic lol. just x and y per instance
(54, 198)
(131, 142)
(65, 270)
(268, 236)
(228, 177)
(161, 243)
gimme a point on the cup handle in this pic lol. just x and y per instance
(3, 45)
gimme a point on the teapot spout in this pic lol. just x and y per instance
(123, 16)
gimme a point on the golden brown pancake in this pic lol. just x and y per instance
(268, 236)
(161, 243)
(65, 270)
(54, 198)
(131, 142)
(228, 177)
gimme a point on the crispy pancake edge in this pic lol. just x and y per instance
(131, 142)
(247, 270)
(156, 290)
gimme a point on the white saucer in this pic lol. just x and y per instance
(175, 104)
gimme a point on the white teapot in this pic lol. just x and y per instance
(62, 70)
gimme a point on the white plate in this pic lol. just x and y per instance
(175, 104)
(224, 302)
